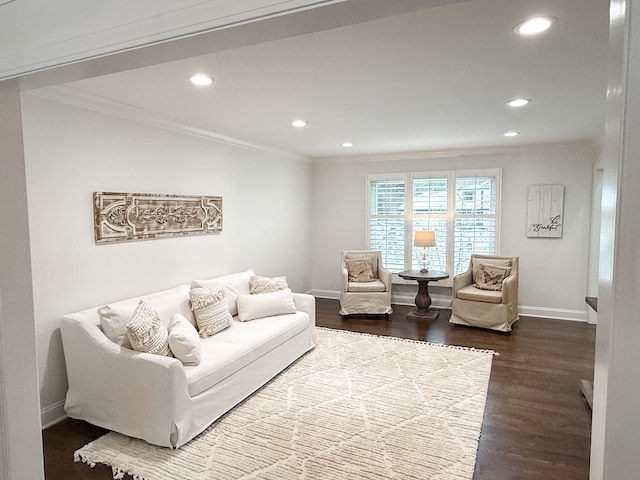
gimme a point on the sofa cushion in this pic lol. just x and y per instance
(359, 270)
(146, 332)
(475, 294)
(237, 346)
(375, 286)
(232, 285)
(114, 317)
(266, 284)
(184, 340)
(210, 309)
(251, 307)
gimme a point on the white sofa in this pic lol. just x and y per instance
(158, 398)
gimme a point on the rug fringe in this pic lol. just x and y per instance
(422, 342)
(118, 473)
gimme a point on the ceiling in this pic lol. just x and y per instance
(432, 80)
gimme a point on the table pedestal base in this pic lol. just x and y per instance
(422, 314)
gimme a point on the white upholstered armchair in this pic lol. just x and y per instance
(486, 295)
(366, 284)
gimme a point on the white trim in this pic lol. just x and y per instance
(444, 301)
(553, 313)
(52, 414)
(76, 98)
(5, 470)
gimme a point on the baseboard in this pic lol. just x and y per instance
(444, 301)
(52, 414)
(554, 313)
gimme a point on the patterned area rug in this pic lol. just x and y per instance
(358, 407)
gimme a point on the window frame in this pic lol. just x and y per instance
(450, 216)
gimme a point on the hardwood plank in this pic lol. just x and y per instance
(537, 423)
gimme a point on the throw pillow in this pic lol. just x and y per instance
(210, 309)
(359, 270)
(490, 277)
(371, 256)
(265, 284)
(267, 304)
(146, 332)
(232, 285)
(184, 340)
(114, 317)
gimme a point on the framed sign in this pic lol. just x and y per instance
(545, 215)
(120, 217)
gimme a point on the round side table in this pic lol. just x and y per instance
(423, 300)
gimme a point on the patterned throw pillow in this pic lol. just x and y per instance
(265, 284)
(210, 309)
(146, 332)
(490, 277)
(359, 270)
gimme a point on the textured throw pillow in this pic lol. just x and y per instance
(490, 277)
(210, 309)
(184, 340)
(359, 270)
(267, 304)
(266, 284)
(372, 257)
(232, 284)
(146, 332)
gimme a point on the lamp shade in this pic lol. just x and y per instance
(424, 238)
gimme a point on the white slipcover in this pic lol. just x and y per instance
(495, 310)
(162, 401)
(365, 297)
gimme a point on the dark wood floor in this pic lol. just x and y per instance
(537, 424)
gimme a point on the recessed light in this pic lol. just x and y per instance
(347, 144)
(534, 25)
(201, 79)
(511, 134)
(299, 123)
(519, 102)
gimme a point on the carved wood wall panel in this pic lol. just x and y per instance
(120, 217)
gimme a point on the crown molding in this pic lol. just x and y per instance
(106, 106)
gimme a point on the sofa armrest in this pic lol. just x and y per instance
(135, 393)
(306, 303)
(460, 281)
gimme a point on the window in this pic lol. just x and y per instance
(462, 207)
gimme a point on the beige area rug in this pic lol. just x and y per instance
(356, 407)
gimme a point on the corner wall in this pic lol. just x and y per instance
(71, 152)
(553, 272)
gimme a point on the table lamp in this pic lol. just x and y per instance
(424, 239)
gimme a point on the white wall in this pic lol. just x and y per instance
(553, 272)
(71, 152)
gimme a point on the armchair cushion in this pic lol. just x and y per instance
(490, 277)
(476, 295)
(374, 286)
(493, 262)
(360, 270)
(372, 257)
